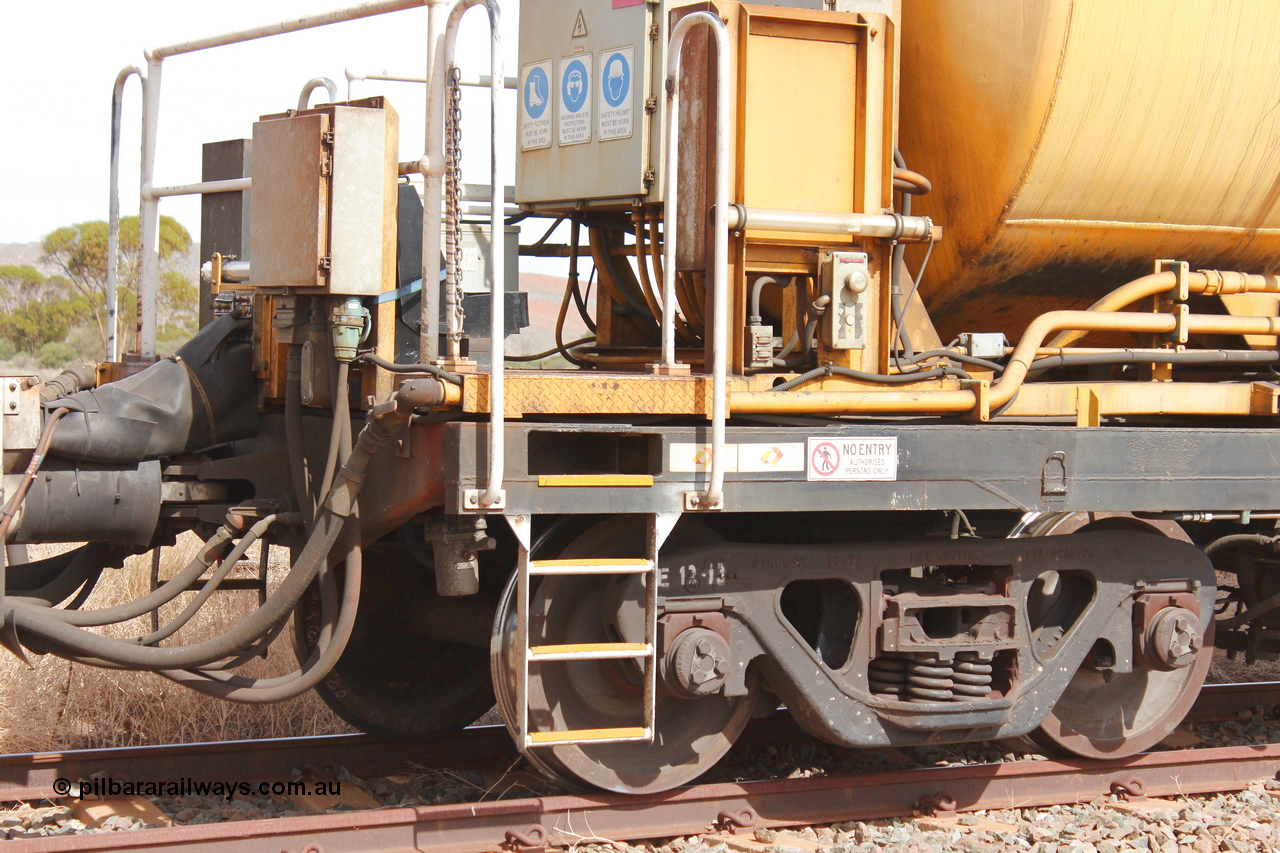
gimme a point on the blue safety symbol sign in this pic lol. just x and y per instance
(616, 79)
(575, 99)
(575, 86)
(537, 91)
(535, 97)
(614, 120)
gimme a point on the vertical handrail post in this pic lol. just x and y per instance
(113, 213)
(432, 168)
(713, 497)
(492, 496)
(149, 212)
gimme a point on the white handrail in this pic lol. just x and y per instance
(481, 82)
(431, 166)
(290, 25)
(229, 185)
(492, 497)
(315, 83)
(113, 212)
(149, 212)
(713, 497)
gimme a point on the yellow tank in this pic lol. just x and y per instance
(1072, 143)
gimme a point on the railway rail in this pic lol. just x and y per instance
(533, 823)
(31, 776)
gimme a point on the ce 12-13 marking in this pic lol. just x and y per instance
(693, 578)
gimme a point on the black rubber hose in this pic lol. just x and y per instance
(293, 434)
(1241, 539)
(255, 691)
(879, 378)
(86, 562)
(30, 576)
(165, 593)
(1129, 357)
(963, 358)
(329, 522)
(395, 367)
(210, 586)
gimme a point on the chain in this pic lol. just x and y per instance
(453, 212)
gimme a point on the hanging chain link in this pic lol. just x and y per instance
(453, 212)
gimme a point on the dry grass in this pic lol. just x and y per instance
(56, 705)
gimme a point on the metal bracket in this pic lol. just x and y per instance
(471, 500)
(1053, 477)
(693, 503)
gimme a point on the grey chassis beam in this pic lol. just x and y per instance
(990, 466)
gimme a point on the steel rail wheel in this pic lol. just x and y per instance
(691, 735)
(1126, 713)
(393, 680)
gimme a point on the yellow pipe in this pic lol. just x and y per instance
(1212, 282)
(1015, 372)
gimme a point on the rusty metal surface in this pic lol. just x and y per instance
(567, 392)
(477, 827)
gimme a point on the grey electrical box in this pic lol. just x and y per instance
(592, 100)
(847, 278)
(324, 199)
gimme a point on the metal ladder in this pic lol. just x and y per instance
(659, 525)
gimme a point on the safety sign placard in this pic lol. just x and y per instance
(849, 459)
(575, 99)
(739, 458)
(615, 93)
(535, 106)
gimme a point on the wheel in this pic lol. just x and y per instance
(690, 736)
(1128, 713)
(392, 679)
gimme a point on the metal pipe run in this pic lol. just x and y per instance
(492, 497)
(713, 497)
(113, 212)
(886, 226)
(315, 83)
(1002, 391)
(1209, 282)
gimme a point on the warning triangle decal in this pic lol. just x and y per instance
(579, 27)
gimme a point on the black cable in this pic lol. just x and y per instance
(879, 378)
(396, 367)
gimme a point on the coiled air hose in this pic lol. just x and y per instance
(58, 629)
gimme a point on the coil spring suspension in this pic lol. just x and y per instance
(931, 680)
(972, 676)
(887, 677)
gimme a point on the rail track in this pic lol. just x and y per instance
(533, 823)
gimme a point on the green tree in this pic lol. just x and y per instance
(37, 323)
(81, 252)
(20, 283)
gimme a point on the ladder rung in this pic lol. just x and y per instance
(589, 735)
(590, 651)
(590, 567)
